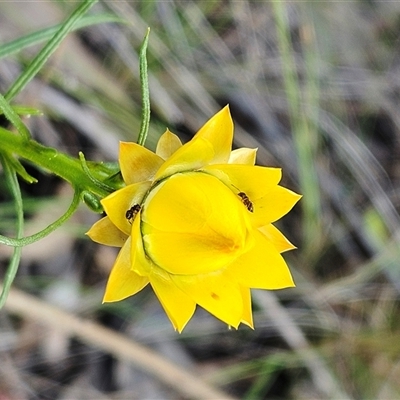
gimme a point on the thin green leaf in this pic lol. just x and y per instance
(37, 37)
(14, 118)
(86, 170)
(24, 241)
(20, 170)
(12, 183)
(28, 111)
(144, 83)
(38, 62)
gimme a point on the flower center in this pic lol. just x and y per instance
(192, 223)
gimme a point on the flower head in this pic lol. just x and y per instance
(195, 221)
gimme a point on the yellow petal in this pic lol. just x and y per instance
(191, 156)
(247, 316)
(211, 145)
(186, 202)
(140, 263)
(254, 181)
(243, 155)
(178, 204)
(180, 253)
(218, 130)
(119, 202)
(123, 282)
(273, 205)
(275, 236)
(105, 232)
(137, 163)
(168, 144)
(178, 305)
(192, 223)
(216, 293)
(262, 267)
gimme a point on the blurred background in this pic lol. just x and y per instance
(315, 87)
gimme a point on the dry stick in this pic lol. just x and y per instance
(112, 342)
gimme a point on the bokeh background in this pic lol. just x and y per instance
(315, 86)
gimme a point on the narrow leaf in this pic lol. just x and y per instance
(38, 62)
(20, 170)
(14, 118)
(42, 35)
(144, 83)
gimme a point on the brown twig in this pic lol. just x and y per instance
(120, 346)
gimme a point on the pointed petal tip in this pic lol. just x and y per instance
(226, 110)
(287, 285)
(123, 146)
(107, 299)
(178, 327)
(247, 323)
(293, 247)
(243, 155)
(279, 240)
(110, 299)
(167, 144)
(296, 197)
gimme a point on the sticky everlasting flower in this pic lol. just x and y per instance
(195, 222)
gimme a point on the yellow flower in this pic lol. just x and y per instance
(195, 221)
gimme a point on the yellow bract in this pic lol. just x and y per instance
(195, 221)
(204, 222)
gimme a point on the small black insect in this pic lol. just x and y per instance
(246, 201)
(131, 213)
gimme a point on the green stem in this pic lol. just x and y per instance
(24, 241)
(12, 183)
(62, 165)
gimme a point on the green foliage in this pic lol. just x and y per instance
(48, 158)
